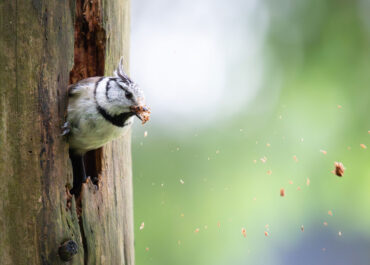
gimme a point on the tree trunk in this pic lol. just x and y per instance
(44, 46)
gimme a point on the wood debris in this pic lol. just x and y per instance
(244, 232)
(339, 169)
(323, 151)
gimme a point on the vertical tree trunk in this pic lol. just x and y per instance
(38, 58)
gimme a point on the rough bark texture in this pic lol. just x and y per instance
(36, 57)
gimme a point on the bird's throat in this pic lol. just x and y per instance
(118, 119)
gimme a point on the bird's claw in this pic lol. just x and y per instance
(66, 128)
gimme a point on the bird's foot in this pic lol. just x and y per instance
(66, 128)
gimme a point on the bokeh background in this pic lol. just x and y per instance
(249, 97)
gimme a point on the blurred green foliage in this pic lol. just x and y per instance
(316, 97)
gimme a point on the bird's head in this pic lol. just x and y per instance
(122, 95)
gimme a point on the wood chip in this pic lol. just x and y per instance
(363, 146)
(323, 151)
(282, 192)
(263, 159)
(244, 232)
(339, 169)
(330, 213)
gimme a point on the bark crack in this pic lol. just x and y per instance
(89, 59)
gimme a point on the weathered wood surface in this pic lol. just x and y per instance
(36, 57)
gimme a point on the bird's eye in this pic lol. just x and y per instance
(128, 95)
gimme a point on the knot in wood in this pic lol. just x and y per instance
(67, 250)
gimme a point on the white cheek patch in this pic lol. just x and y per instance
(114, 94)
(99, 92)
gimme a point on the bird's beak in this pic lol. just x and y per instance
(142, 112)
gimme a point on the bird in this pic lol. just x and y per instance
(100, 109)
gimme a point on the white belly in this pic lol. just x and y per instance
(89, 130)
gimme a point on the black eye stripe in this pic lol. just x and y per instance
(107, 90)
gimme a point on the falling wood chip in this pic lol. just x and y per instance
(339, 169)
(244, 232)
(323, 151)
(263, 159)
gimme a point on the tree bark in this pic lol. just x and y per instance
(37, 62)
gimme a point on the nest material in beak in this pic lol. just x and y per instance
(142, 112)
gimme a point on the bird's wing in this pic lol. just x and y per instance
(82, 86)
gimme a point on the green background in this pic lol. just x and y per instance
(319, 54)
